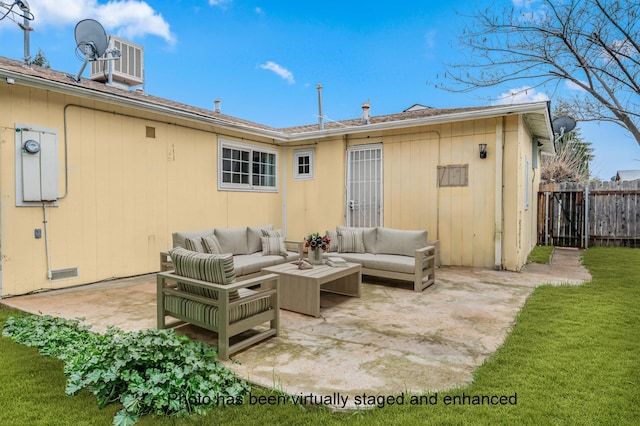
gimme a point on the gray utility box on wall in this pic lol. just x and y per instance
(36, 166)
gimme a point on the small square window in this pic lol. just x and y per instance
(303, 164)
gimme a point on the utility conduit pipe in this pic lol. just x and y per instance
(46, 241)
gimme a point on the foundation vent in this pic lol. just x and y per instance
(64, 274)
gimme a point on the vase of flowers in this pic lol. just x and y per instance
(316, 244)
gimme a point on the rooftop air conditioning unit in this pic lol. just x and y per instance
(127, 71)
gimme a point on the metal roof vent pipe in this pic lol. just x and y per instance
(365, 112)
(320, 119)
(216, 105)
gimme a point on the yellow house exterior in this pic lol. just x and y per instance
(128, 169)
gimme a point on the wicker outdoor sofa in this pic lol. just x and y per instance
(387, 252)
(253, 247)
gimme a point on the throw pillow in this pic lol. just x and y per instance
(273, 246)
(272, 233)
(369, 236)
(211, 244)
(194, 244)
(333, 240)
(213, 268)
(350, 241)
(179, 237)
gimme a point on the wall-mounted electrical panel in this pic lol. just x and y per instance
(36, 166)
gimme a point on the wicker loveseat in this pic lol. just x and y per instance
(387, 252)
(203, 291)
(251, 252)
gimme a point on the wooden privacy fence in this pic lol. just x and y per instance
(589, 214)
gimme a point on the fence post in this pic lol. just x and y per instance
(546, 218)
(586, 215)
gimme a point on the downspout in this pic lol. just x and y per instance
(499, 194)
(284, 190)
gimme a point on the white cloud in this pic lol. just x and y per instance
(621, 48)
(522, 3)
(126, 18)
(573, 86)
(221, 3)
(279, 70)
(521, 95)
(430, 39)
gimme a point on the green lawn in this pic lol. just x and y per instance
(572, 358)
(540, 254)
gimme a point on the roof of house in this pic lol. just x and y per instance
(536, 114)
(628, 174)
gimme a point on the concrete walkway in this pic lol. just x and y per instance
(390, 340)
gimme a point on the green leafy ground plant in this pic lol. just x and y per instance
(148, 372)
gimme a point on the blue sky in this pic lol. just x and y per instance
(264, 59)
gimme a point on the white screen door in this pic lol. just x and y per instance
(364, 185)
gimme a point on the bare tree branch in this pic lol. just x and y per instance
(594, 44)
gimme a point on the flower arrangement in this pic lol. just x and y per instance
(316, 241)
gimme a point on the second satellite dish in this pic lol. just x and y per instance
(91, 40)
(562, 125)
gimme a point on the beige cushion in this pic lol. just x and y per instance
(273, 246)
(194, 244)
(333, 240)
(251, 263)
(369, 237)
(272, 233)
(233, 241)
(179, 237)
(401, 242)
(350, 241)
(390, 262)
(211, 245)
(254, 233)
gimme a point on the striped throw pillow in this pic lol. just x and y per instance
(272, 233)
(273, 246)
(194, 244)
(333, 240)
(350, 241)
(213, 268)
(211, 244)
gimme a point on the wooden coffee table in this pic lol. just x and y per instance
(300, 288)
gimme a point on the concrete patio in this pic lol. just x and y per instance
(390, 340)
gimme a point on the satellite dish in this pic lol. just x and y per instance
(91, 40)
(562, 125)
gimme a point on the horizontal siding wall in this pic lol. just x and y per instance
(127, 192)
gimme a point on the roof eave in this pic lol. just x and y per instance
(38, 82)
(545, 136)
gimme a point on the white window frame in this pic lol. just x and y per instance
(297, 155)
(229, 186)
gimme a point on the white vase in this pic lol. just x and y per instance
(315, 256)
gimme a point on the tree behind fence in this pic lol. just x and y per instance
(612, 210)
